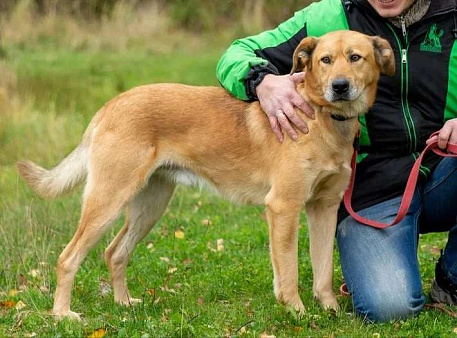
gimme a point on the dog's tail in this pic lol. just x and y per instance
(63, 177)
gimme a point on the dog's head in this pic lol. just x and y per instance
(343, 68)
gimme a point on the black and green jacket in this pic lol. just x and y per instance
(409, 106)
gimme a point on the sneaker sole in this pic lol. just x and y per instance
(438, 295)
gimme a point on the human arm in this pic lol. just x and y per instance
(253, 69)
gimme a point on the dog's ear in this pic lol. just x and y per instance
(384, 55)
(302, 54)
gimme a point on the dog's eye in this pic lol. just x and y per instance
(325, 59)
(355, 57)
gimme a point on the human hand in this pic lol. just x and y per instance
(278, 97)
(447, 134)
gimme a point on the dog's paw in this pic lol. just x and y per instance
(296, 308)
(297, 311)
(60, 315)
(330, 303)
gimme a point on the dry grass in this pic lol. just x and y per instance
(126, 27)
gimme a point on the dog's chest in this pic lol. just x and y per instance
(330, 182)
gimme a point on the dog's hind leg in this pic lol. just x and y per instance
(143, 212)
(113, 180)
(100, 209)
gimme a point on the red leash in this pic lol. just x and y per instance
(410, 185)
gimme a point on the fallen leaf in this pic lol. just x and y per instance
(7, 304)
(455, 330)
(172, 270)
(200, 301)
(167, 289)
(313, 325)
(13, 292)
(21, 280)
(220, 244)
(376, 335)
(266, 335)
(44, 289)
(150, 247)
(104, 287)
(34, 273)
(179, 234)
(165, 259)
(20, 305)
(206, 222)
(98, 333)
(187, 261)
(151, 292)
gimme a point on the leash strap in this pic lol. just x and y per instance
(410, 185)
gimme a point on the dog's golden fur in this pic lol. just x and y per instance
(144, 141)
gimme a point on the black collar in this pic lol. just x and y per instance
(340, 118)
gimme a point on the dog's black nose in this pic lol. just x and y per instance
(340, 86)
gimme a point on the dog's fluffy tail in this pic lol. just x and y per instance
(62, 178)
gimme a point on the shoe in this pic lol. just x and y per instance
(443, 289)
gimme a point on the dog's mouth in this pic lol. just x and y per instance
(341, 99)
(333, 97)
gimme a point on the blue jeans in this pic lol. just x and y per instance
(380, 267)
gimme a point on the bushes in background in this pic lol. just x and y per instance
(190, 14)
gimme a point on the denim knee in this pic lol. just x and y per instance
(388, 302)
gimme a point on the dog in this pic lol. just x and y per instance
(150, 138)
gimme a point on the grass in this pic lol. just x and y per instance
(188, 286)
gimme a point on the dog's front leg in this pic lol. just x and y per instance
(322, 218)
(283, 217)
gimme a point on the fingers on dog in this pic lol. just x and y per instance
(304, 106)
(295, 118)
(283, 116)
(274, 124)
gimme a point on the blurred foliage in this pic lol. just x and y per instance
(196, 15)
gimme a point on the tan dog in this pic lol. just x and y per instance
(145, 141)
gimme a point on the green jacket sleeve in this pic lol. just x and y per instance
(248, 60)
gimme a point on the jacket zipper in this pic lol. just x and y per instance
(403, 45)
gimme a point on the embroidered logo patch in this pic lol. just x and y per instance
(432, 41)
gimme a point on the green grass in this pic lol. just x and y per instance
(211, 293)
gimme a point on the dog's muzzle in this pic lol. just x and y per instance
(340, 90)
